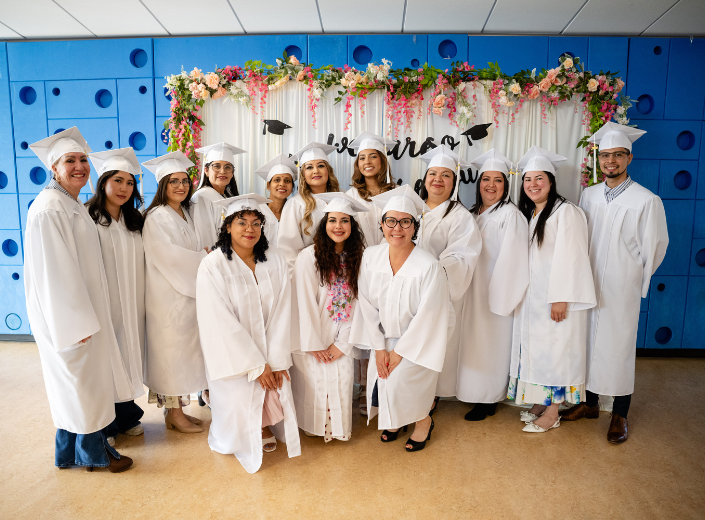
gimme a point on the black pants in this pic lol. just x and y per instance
(620, 406)
(127, 415)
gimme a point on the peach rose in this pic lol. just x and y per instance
(438, 111)
(293, 60)
(559, 81)
(568, 63)
(196, 73)
(440, 101)
(515, 89)
(545, 84)
(220, 93)
(620, 85)
(502, 94)
(552, 74)
(592, 85)
(212, 80)
(203, 91)
(534, 92)
(300, 76)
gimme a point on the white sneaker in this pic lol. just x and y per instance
(135, 430)
(535, 428)
(528, 416)
(111, 441)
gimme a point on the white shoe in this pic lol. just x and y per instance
(271, 440)
(535, 428)
(135, 430)
(528, 416)
(111, 441)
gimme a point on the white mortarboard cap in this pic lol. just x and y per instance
(280, 164)
(50, 149)
(492, 161)
(402, 199)
(444, 157)
(339, 202)
(368, 141)
(167, 164)
(218, 152)
(234, 204)
(313, 152)
(613, 135)
(540, 160)
(122, 159)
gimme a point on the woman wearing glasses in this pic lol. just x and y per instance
(403, 315)
(174, 366)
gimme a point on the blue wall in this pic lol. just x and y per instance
(113, 91)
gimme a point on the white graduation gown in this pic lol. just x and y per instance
(320, 390)
(409, 312)
(291, 238)
(498, 286)
(550, 353)
(271, 226)
(628, 240)
(123, 258)
(369, 220)
(456, 242)
(244, 324)
(172, 250)
(67, 301)
(207, 217)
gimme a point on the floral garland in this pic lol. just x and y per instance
(451, 89)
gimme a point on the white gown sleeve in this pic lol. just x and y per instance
(510, 276)
(203, 220)
(460, 256)
(53, 266)
(306, 284)
(280, 327)
(289, 241)
(571, 275)
(652, 234)
(365, 331)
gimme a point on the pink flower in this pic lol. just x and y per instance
(220, 93)
(420, 70)
(558, 81)
(212, 80)
(620, 85)
(534, 92)
(545, 84)
(293, 60)
(592, 85)
(406, 79)
(552, 74)
(300, 76)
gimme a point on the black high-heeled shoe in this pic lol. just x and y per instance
(392, 436)
(419, 445)
(435, 404)
(480, 411)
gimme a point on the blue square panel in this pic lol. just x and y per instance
(644, 307)
(678, 179)
(403, 50)
(9, 212)
(666, 311)
(28, 115)
(700, 194)
(699, 228)
(10, 247)
(32, 175)
(685, 98)
(80, 59)
(646, 81)
(101, 134)
(136, 100)
(576, 46)
(668, 140)
(697, 257)
(81, 99)
(693, 336)
(8, 179)
(148, 197)
(608, 54)
(641, 331)
(646, 173)
(679, 218)
(444, 49)
(162, 135)
(162, 98)
(148, 178)
(512, 53)
(327, 49)
(8, 183)
(13, 309)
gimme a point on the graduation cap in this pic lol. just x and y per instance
(167, 164)
(314, 151)
(122, 159)
(274, 126)
(368, 141)
(476, 132)
(540, 159)
(53, 147)
(444, 157)
(217, 152)
(402, 199)
(339, 202)
(613, 135)
(240, 202)
(280, 164)
(492, 160)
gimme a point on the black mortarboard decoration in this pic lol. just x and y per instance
(476, 132)
(275, 127)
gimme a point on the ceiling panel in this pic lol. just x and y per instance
(280, 16)
(340, 18)
(687, 18)
(446, 16)
(8, 34)
(180, 18)
(623, 17)
(531, 16)
(114, 17)
(41, 19)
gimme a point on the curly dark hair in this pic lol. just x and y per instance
(130, 210)
(224, 242)
(328, 262)
(417, 226)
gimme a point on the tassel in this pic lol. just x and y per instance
(594, 165)
(457, 182)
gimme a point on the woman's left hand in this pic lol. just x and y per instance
(558, 311)
(334, 353)
(394, 360)
(279, 376)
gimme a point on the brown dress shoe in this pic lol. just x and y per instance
(579, 411)
(119, 465)
(618, 429)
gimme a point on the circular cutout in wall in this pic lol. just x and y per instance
(447, 49)
(9, 247)
(682, 180)
(700, 258)
(143, 89)
(15, 276)
(3, 181)
(24, 145)
(137, 140)
(685, 140)
(414, 63)
(37, 175)
(13, 321)
(29, 205)
(362, 55)
(644, 104)
(658, 50)
(661, 287)
(138, 58)
(663, 335)
(103, 98)
(28, 95)
(55, 91)
(294, 50)
(58, 130)
(108, 144)
(166, 94)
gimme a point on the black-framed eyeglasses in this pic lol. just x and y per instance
(617, 155)
(174, 183)
(405, 223)
(228, 168)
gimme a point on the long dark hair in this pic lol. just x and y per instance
(134, 221)
(423, 193)
(230, 189)
(160, 199)
(527, 206)
(475, 210)
(225, 242)
(329, 264)
(358, 179)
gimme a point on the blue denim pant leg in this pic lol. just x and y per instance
(75, 449)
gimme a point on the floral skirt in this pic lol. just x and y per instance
(523, 393)
(168, 401)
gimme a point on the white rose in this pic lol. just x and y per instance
(568, 63)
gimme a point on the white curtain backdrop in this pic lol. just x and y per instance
(238, 125)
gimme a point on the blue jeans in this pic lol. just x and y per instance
(90, 449)
(127, 415)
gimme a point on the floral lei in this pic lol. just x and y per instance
(451, 89)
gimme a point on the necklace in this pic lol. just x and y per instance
(373, 193)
